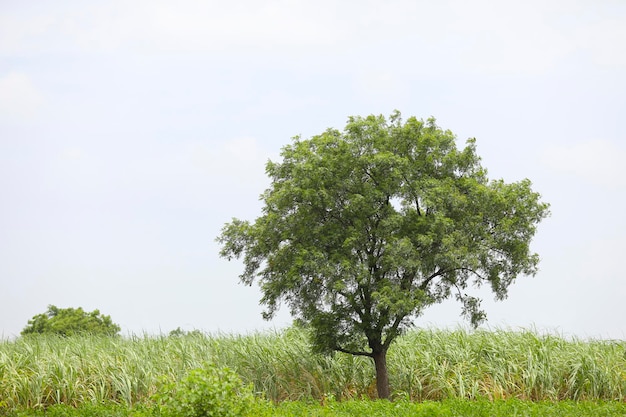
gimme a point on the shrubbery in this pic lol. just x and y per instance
(205, 392)
(71, 321)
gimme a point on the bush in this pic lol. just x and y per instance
(71, 321)
(205, 392)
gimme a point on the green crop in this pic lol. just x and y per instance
(40, 371)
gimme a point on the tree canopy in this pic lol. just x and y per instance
(71, 321)
(362, 229)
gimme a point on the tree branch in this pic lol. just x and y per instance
(444, 271)
(353, 352)
(353, 303)
(430, 278)
(393, 332)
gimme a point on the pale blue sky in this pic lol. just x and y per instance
(131, 131)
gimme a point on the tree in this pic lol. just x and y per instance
(71, 321)
(361, 230)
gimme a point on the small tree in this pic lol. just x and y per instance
(363, 229)
(71, 321)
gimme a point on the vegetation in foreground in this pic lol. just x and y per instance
(381, 408)
(38, 372)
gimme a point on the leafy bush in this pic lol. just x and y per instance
(205, 392)
(71, 321)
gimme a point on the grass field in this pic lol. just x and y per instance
(360, 408)
(425, 365)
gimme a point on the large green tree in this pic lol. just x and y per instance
(364, 228)
(71, 321)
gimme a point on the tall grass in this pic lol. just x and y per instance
(499, 365)
(423, 365)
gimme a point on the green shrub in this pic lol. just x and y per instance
(205, 392)
(71, 321)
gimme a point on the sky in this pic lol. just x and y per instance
(132, 131)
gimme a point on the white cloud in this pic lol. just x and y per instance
(599, 162)
(485, 36)
(19, 98)
(515, 37)
(382, 85)
(200, 26)
(244, 150)
(606, 42)
(599, 261)
(238, 161)
(19, 33)
(72, 154)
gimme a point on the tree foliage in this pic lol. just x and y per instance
(364, 228)
(71, 321)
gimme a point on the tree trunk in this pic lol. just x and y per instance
(382, 378)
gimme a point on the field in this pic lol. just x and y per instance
(519, 373)
(360, 408)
